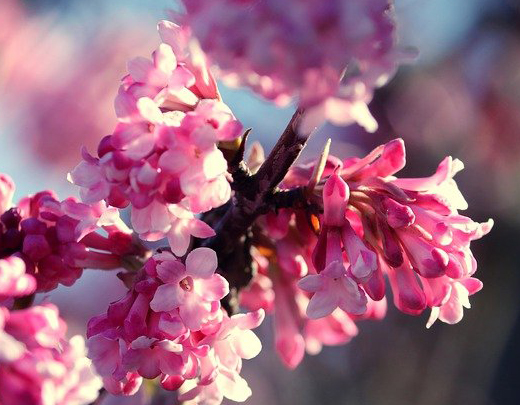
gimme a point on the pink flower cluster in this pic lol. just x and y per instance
(171, 325)
(330, 55)
(372, 225)
(408, 229)
(162, 157)
(56, 240)
(38, 366)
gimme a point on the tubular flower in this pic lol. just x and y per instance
(162, 157)
(38, 365)
(170, 325)
(57, 240)
(330, 56)
(408, 229)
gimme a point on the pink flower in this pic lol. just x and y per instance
(288, 318)
(333, 288)
(336, 329)
(127, 386)
(192, 287)
(170, 325)
(450, 309)
(373, 226)
(220, 376)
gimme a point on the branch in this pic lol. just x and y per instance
(254, 191)
(254, 196)
(282, 157)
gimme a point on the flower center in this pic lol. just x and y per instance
(186, 283)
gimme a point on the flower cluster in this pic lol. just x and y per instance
(162, 157)
(171, 325)
(408, 229)
(38, 365)
(57, 239)
(330, 56)
(372, 225)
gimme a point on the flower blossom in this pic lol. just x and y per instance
(408, 229)
(163, 156)
(171, 325)
(329, 55)
(57, 240)
(38, 365)
(332, 264)
(191, 288)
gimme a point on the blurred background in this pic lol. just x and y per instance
(60, 65)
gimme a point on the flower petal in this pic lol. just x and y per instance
(167, 297)
(201, 262)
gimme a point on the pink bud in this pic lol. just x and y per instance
(398, 215)
(375, 286)
(335, 200)
(363, 261)
(393, 158)
(408, 295)
(391, 249)
(105, 146)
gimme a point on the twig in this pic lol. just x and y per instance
(255, 195)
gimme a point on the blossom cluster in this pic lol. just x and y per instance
(57, 239)
(45, 242)
(162, 157)
(331, 56)
(372, 225)
(38, 365)
(171, 325)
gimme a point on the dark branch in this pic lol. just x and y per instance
(282, 157)
(255, 195)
